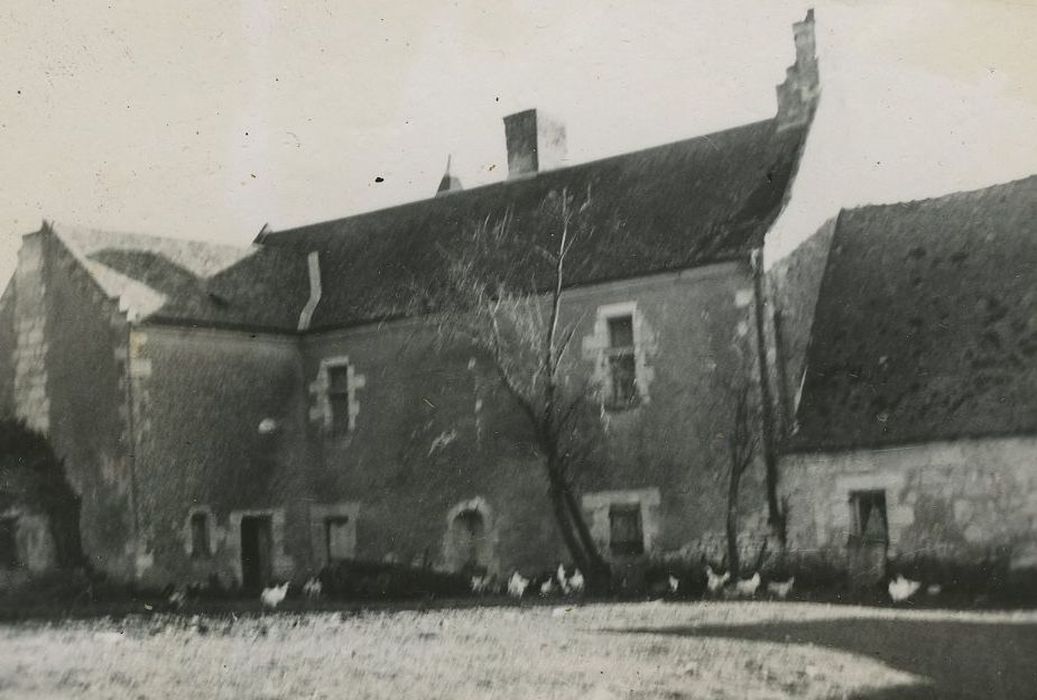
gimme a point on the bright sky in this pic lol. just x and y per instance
(205, 120)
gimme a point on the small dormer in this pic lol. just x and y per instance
(449, 183)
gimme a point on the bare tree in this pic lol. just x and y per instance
(741, 442)
(518, 324)
(32, 476)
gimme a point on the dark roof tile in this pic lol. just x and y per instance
(679, 205)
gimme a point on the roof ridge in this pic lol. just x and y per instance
(73, 229)
(263, 237)
(938, 197)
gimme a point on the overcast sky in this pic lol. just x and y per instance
(208, 119)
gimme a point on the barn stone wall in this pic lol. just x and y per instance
(965, 501)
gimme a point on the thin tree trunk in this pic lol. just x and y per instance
(565, 528)
(733, 563)
(776, 518)
(597, 565)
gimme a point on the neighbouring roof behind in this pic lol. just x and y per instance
(680, 205)
(191, 281)
(926, 323)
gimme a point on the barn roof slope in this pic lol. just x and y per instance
(926, 323)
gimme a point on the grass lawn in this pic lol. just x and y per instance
(637, 650)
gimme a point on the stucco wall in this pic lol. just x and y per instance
(86, 381)
(199, 398)
(7, 348)
(63, 353)
(434, 428)
(967, 500)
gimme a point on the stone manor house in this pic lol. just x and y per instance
(257, 413)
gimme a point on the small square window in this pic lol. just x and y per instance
(621, 332)
(340, 538)
(200, 544)
(9, 543)
(868, 513)
(626, 535)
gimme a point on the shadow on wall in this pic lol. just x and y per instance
(960, 659)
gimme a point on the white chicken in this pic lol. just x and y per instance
(313, 588)
(563, 582)
(576, 582)
(675, 583)
(177, 598)
(547, 587)
(747, 587)
(272, 597)
(900, 588)
(517, 585)
(715, 582)
(781, 589)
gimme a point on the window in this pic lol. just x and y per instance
(340, 538)
(626, 535)
(621, 361)
(338, 398)
(868, 513)
(200, 546)
(8, 543)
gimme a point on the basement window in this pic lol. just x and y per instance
(9, 543)
(341, 538)
(622, 362)
(868, 517)
(200, 542)
(626, 533)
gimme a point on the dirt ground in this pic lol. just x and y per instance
(641, 650)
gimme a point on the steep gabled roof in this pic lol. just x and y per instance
(926, 323)
(189, 281)
(684, 204)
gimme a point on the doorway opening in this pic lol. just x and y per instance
(256, 552)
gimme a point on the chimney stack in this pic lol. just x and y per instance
(797, 96)
(535, 143)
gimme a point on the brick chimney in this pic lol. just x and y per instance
(797, 96)
(535, 143)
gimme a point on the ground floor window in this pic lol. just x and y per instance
(8, 543)
(868, 513)
(626, 532)
(200, 546)
(339, 535)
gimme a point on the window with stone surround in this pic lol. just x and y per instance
(623, 523)
(200, 542)
(339, 398)
(340, 534)
(622, 362)
(9, 543)
(333, 532)
(868, 516)
(200, 532)
(620, 347)
(335, 402)
(626, 534)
